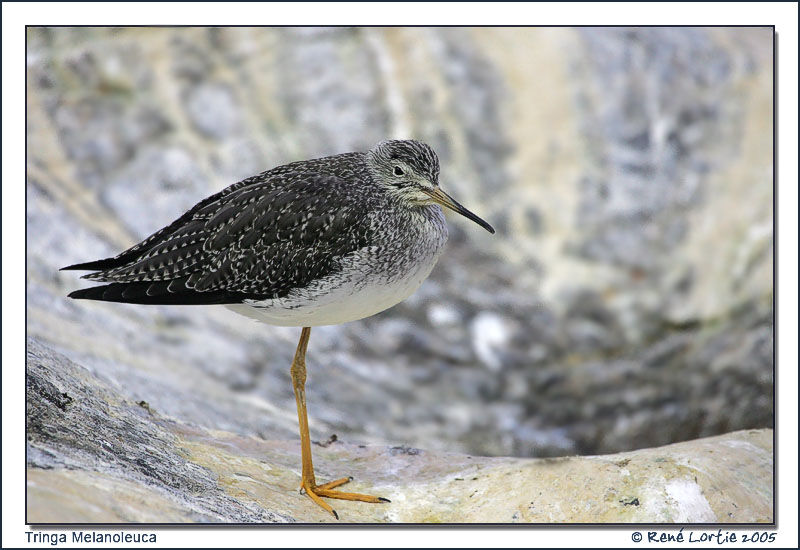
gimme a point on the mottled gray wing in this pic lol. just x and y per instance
(259, 240)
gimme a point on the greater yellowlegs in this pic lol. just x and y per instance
(315, 242)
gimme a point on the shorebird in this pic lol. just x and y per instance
(311, 243)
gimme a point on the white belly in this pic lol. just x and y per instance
(371, 280)
(349, 295)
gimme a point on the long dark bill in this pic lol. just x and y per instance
(446, 200)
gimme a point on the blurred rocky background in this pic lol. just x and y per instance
(625, 302)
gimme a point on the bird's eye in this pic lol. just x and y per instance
(398, 171)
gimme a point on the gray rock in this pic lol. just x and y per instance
(629, 173)
(95, 456)
(73, 421)
(213, 110)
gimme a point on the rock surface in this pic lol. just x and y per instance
(94, 455)
(625, 302)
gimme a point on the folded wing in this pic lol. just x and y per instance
(257, 239)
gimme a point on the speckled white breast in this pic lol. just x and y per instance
(372, 279)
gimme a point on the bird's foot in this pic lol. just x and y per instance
(326, 490)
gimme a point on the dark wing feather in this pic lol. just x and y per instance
(257, 241)
(155, 294)
(129, 255)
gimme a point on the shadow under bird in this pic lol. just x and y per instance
(311, 243)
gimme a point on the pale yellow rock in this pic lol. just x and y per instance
(77, 496)
(726, 478)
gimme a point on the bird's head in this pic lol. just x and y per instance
(410, 170)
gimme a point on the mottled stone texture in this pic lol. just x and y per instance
(626, 301)
(96, 456)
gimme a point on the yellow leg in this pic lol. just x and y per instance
(309, 483)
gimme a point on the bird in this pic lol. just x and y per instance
(310, 243)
